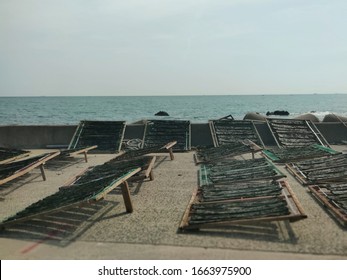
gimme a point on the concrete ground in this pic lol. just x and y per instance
(105, 231)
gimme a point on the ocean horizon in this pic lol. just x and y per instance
(63, 110)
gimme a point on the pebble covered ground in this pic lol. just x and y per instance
(158, 209)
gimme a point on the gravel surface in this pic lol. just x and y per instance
(152, 228)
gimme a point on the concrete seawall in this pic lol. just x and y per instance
(35, 136)
(40, 137)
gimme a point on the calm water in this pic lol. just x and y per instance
(70, 110)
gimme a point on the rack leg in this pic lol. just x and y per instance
(126, 197)
(42, 168)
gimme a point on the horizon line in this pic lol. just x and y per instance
(178, 95)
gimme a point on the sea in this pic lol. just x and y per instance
(62, 110)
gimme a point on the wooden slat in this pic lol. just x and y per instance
(296, 210)
(185, 218)
(150, 167)
(69, 182)
(96, 198)
(169, 148)
(14, 158)
(126, 197)
(317, 193)
(83, 150)
(30, 167)
(302, 180)
(116, 184)
(292, 196)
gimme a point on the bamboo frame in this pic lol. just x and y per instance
(304, 123)
(258, 135)
(302, 178)
(148, 172)
(299, 176)
(84, 151)
(296, 211)
(39, 163)
(187, 138)
(168, 147)
(253, 149)
(319, 135)
(215, 137)
(14, 158)
(277, 176)
(336, 212)
(119, 181)
(80, 129)
(325, 152)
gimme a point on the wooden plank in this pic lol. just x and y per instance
(72, 180)
(83, 202)
(126, 197)
(43, 174)
(30, 167)
(14, 158)
(150, 168)
(296, 210)
(213, 133)
(83, 150)
(168, 147)
(258, 135)
(296, 175)
(185, 218)
(74, 141)
(318, 194)
(121, 138)
(272, 133)
(309, 123)
(116, 184)
(292, 195)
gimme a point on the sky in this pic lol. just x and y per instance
(177, 47)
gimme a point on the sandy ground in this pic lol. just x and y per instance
(105, 231)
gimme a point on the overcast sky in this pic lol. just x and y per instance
(178, 47)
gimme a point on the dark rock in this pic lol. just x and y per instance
(278, 113)
(161, 113)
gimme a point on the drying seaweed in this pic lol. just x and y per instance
(334, 197)
(216, 153)
(236, 190)
(7, 155)
(204, 213)
(293, 133)
(13, 170)
(9, 169)
(320, 170)
(107, 135)
(228, 131)
(160, 132)
(129, 154)
(327, 162)
(90, 186)
(238, 170)
(298, 153)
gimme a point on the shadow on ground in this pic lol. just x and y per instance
(280, 232)
(59, 228)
